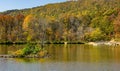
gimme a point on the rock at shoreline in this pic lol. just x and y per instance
(110, 43)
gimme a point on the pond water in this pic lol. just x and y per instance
(64, 58)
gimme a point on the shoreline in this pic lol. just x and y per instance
(96, 43)
(27, 56)
(109, 43)
(48, 42)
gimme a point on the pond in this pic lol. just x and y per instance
(72, 57)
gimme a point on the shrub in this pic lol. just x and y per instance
(31, 49)
(18, 53)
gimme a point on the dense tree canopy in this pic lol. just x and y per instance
(74, 20)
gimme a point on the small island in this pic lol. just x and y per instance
(29, 51)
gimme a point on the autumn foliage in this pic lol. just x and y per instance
(82, 20)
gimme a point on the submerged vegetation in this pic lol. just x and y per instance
(83, 20)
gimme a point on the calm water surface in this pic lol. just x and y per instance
(65, 58)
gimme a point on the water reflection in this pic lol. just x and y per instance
(8, 49)
(84, 53)
(65, 58)
(3, 49)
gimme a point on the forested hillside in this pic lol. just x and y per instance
(83, 20)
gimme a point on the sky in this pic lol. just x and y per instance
(22, 4)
